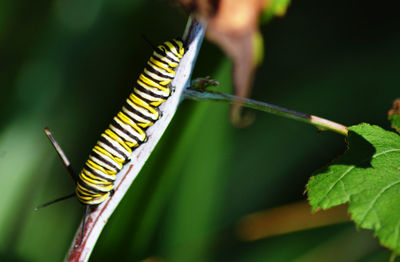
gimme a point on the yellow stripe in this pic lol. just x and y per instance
(100, 168)
(115, 137)
(99, 200)
(142, 123)
(164, 89)
(161, 64)
(156, 64)
(100, 150)
(181, 50)
(171, 47)
(98, 186)
(171, 62)
(92, 199)
(86, 192)
(129, 121)
(136, 100)
(162, 80)
(147, 81)
(157, 103)
(93, 178)
(86, 176)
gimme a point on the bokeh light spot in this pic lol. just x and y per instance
(78, 15)
(38, 83)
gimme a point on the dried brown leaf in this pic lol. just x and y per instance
(394, 115)
(233, 25)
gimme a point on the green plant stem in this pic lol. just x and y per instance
(320, 123)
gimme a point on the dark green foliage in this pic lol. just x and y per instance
(329, 58)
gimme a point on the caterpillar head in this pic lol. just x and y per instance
(174, 49)
(180, 47)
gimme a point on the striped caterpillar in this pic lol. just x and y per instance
(127, 130)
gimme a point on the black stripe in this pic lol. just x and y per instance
(152, 79)
(97, 178)
(161, 51)
(141, 96)
(123, 130)
(109, 144)
(155, 80)
(102, 159)
(135, 112)
(88, 187)
(143, 99)
(174, 43)
(174, 57)
(177, 50)
(162, 62)
(93, 171)
(164, 54)
(154, 71)
(144, 90)
(83, 194)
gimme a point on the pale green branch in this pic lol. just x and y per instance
(320, 123)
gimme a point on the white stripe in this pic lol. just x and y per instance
(101, 174)
(117, 145)
(155, 91)
(172, 56)
(142, 110)
(157, 77)
(109, 159)
(165, 59)
(111, 151)
(122, 135)
(130, 129)
(135, 117)
(148, 97)
(101, 163)
(162, 70)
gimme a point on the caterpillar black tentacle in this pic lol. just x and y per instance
(127, 130)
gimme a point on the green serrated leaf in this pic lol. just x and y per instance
(368, 177)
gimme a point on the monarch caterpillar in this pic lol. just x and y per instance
(95, 182)
(127, 129)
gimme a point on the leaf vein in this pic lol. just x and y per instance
(344, 188)
(338, 180)
(385, 152)
(397, 232)
(373, 202)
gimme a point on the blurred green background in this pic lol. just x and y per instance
(69, 65)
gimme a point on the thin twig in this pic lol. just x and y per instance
(97, 219)
(320, 123)
(55, 201)
(61, 153)
(287, 219)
